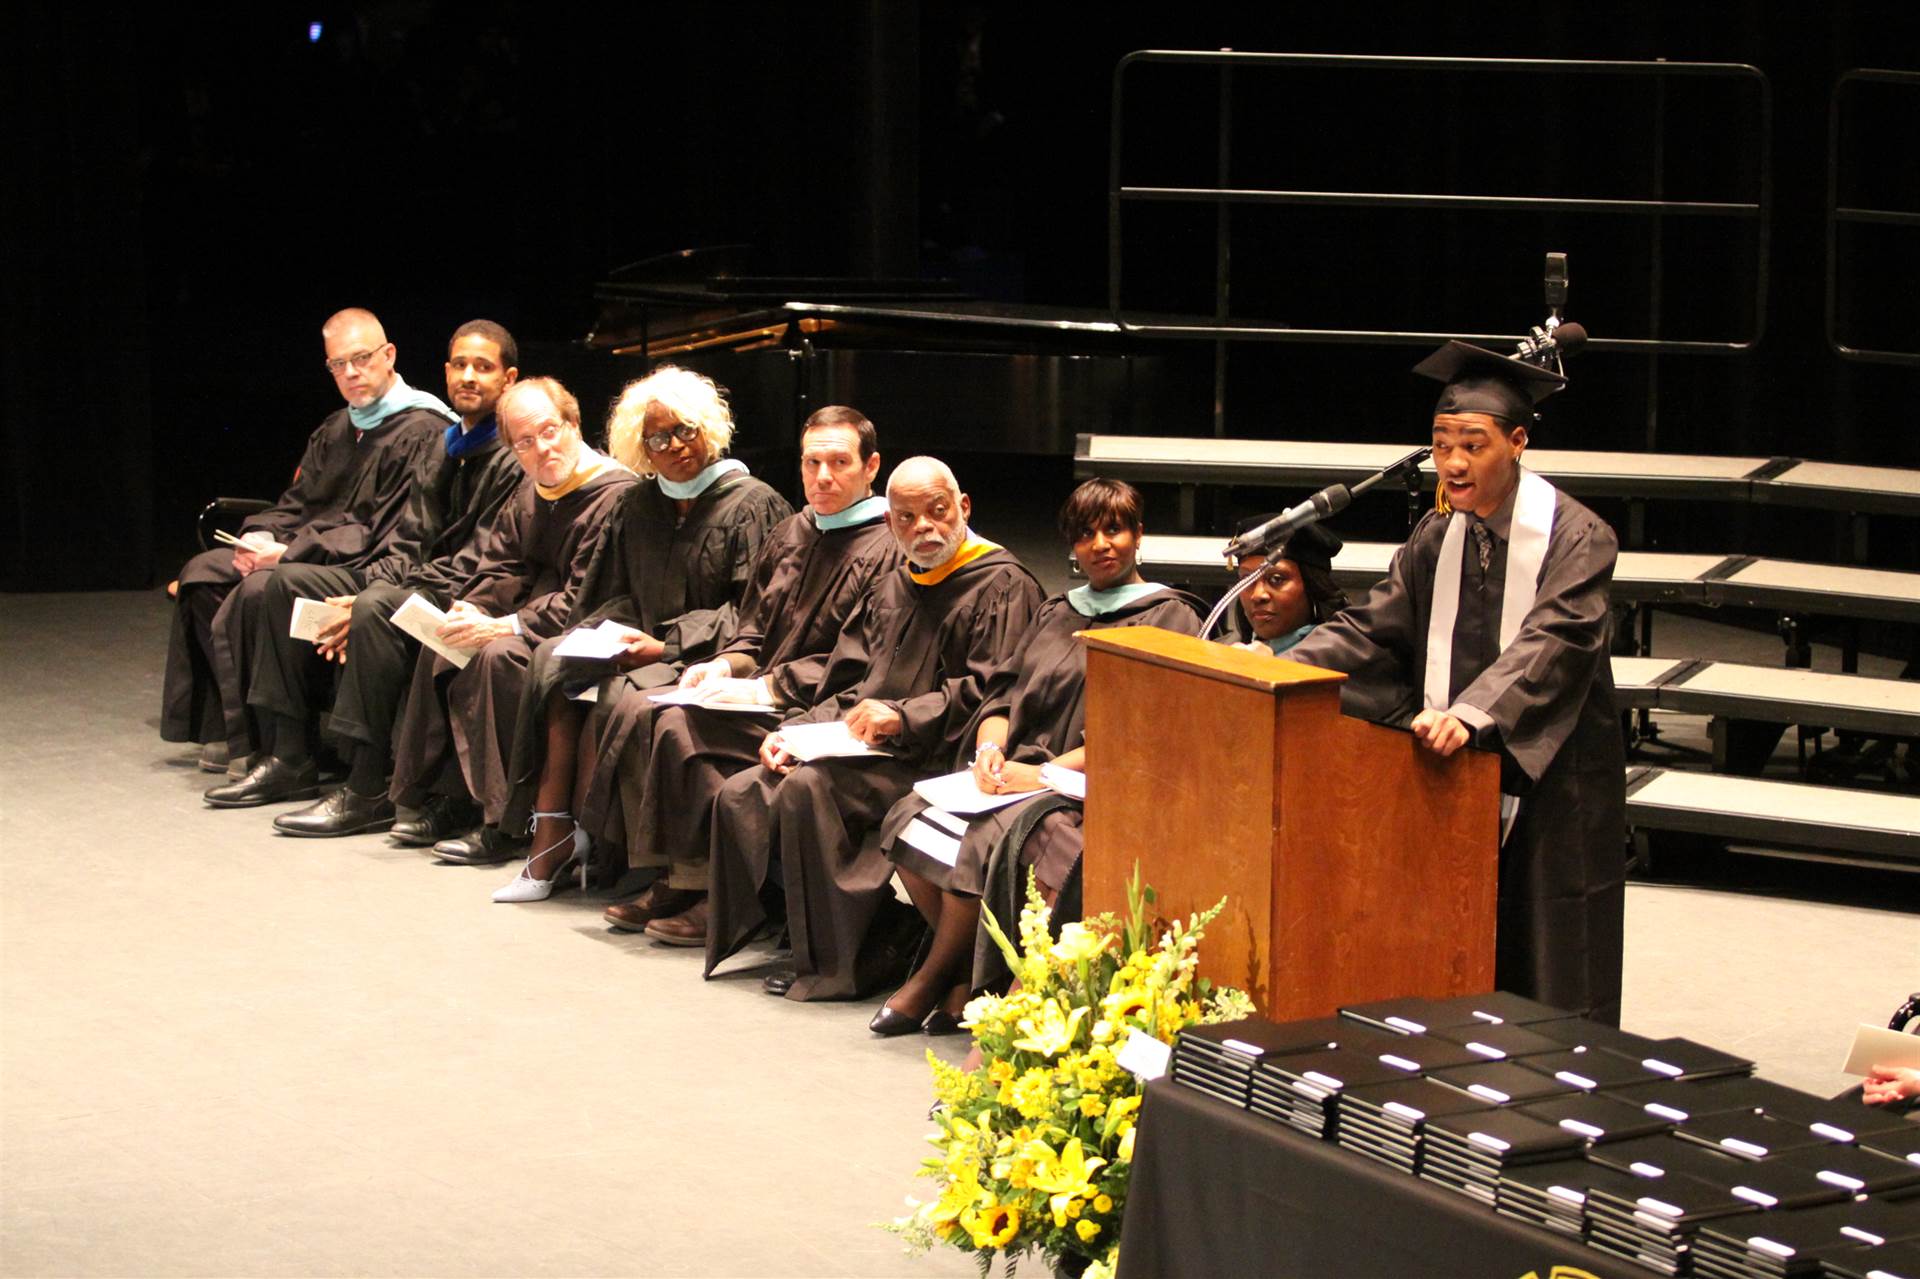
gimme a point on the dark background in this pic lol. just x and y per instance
(191, 192)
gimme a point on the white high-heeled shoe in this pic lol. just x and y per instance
(525, 888)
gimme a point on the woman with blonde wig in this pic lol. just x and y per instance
(669, 574)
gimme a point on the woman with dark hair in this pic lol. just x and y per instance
(1295, 593)
(1033, 715)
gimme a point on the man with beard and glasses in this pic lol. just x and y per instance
(905, 679)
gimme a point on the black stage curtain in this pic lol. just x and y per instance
(79, 466)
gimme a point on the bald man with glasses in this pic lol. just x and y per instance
(348, 505)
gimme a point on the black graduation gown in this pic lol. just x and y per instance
(805, 586)
(1550, 697)
(291, 680)
(531, 567)
(1042, 692)
(347, 505)
(479, 486)
(681, 580)
(929, 652)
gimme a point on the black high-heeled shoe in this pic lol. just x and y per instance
(887, 1023)
(941, 1022)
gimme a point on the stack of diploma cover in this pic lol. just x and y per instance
(1219, 1059)
(1385, 1122)
(1800, 1243)
(1472, 1152)
(1663, 1151)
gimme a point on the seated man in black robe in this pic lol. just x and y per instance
(1032, 718)
(810, 576)
(347, 505)
(668, 578)
(1492, 628)
(291, 677)
(905, 678)
(454, 738)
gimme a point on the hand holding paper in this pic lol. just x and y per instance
(467, 627)
(873, 722)
(311, 618)
(422, 619)
(832, 740)
(600, 643)
(742, 696)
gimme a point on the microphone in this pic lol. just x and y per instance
(1556, 283)
(1328, 501)
(1555, 341)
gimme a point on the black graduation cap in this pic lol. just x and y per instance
(1483, 381)
(1312, 545)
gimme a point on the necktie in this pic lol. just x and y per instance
(1483, 541)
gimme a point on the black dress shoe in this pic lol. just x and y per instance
(941, 1022)
(778, 983)
(271, 781)
(442, 817)
(481, 846)
(341, 813)
(888, 1023)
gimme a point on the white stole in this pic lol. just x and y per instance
(1527, 538)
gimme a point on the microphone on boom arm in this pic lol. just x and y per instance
(1546, 344)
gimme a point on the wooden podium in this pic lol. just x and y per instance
(1356, 864)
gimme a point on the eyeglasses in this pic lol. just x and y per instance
(658, 441)
(359, 360)
(548, 435)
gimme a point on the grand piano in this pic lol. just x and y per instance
(937, 369)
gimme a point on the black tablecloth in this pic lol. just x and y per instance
(1219, 1191)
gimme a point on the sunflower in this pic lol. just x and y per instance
(993, 1226)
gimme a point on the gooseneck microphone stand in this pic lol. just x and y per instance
(1328, 501)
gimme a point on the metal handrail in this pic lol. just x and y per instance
(1118, 195)
(1836, 215)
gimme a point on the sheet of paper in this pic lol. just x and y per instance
(1068, 782)
(957, 793)
(708, 696)
(954, 826)
(808, 742)
(594, 643)
(1142, 1055)
(932, 841)
(419, 618)
(310, 617)
(1878, 1046)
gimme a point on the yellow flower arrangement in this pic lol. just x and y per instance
(1035, 1147)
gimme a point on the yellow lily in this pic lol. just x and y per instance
(1069, 1173)
(1051, 1033)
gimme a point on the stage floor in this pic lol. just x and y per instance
(225, 1052)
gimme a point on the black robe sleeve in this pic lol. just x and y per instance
(485, 503)
(581, 516)
(1378, 639)
(936, 719)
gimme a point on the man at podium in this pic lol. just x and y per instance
(1492, 629)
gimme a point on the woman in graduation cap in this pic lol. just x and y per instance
(1295, 593)
(1493, 629)
(1033, 716)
